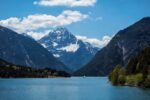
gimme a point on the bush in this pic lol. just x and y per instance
(122, 79)
(114, 75)
(134, 80)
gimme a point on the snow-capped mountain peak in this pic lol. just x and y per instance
(70, 50)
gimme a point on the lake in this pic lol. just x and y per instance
(75, 88)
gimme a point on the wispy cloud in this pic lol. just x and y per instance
(70, 3)
(43, 21)
(96, 42)
(38, 35)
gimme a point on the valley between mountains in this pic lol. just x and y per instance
(60, 53)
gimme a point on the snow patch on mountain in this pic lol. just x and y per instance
(70, 48)
(44, 45)
(56, 55)
(55, 44)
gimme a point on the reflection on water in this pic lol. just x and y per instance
(75, 88)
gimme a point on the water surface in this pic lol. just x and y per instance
(75, 88)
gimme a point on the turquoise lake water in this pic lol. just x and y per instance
(75, 88)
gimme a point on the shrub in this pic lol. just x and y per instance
(134, 79)
(114, 75)
(122, 79)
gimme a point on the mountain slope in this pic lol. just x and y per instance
(137, 72)
(65, 46)
(25, 51)
(126, 44)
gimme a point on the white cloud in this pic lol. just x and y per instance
(96, 42)
(38, 35)
(70, 3)
(42, 21)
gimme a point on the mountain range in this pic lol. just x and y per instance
(25, 51)
(61, 50)
(125, 45)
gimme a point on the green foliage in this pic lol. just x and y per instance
(121, 79)
(122, 71)
(135, 79)
(116, 74)
(21, 72)
(137, 72)
(140, 64)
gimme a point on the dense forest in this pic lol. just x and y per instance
(8, 70)
(136, 73)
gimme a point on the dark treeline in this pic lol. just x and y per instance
(8, 70)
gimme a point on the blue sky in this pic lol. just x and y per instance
(105, 17)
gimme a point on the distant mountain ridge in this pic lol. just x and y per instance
(65, 46)
(22, 50)
(125, 45)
